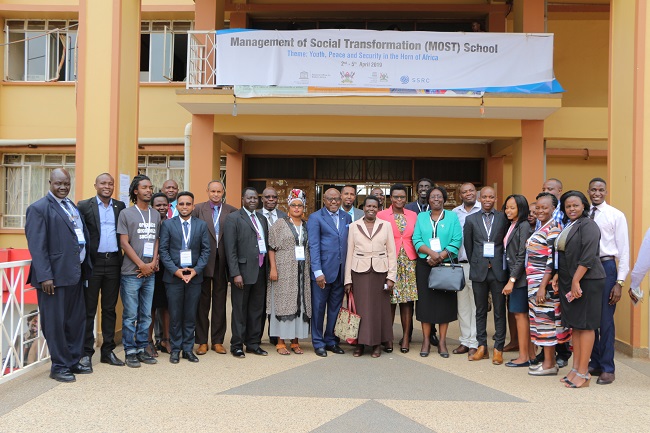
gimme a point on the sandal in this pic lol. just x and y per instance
(565, 379)
(358, 351)
(282, 349)
(165, 347)
(585, 384)
(151, 350)
(376, 351)
(295, 348)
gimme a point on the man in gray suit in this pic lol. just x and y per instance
(245, 238)
(349, 198)
(483, 235)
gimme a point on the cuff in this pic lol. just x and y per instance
(318, 273)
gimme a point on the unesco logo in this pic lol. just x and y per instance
(404, 79)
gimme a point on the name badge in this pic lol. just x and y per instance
(148, 249)
(80, 236)
(300, 253)
(434, 244)
(261, 245)
(488, 249)
(186, 258)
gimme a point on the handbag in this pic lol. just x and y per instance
(449, 277)
(347, 322)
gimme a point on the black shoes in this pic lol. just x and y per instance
(81, 369)
(335, 349)
(259, 351)
(111, 359)
(145, 358)
(238, 353)
(62, 376)
(174, 357)
(132, 361)
(190, 356)
(321, 352)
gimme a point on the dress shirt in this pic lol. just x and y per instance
(613, 236)
(172, 207)
(271, 213)
(76, 221)
(259, 227)
(642, 265)
(107, 236)
(350, 212)
(462, 215)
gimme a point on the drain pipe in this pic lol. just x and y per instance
(186, 148)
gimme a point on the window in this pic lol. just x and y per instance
(159, 168)
(163, 50)
(40, 50)
(25, 179)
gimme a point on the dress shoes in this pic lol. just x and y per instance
(259, 351)
(605, 378)
(217, 348)
(595, 371)
(497, 357)
(81, 369)
(203, 349)
(561, 363)
(86, 362)
(174, 357)
(132, 361)
(238, 353)
(460, 350)
(335, 349)
(481, 353)
(145, 358)
(542, 372)
(190, 356)
(63, 376)
(471, 353)
(321, 352)
(522, 364)
(111, 359)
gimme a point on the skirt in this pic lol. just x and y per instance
(373, 305)
(518, 300)
(433, 306)
(287, 329)
(582, 313)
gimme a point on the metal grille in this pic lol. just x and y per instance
(202, 60)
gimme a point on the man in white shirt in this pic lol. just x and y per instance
(614, 245)
(466, 305)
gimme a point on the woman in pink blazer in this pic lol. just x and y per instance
(405, 291)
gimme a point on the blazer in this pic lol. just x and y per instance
(583, 248)
(449, 232)
(475, 236)
(413, 206)
(358, 213)
(370, 253)
(240, 245)
(402, 239)
(280, 214)
(90, 211)
(516, 253)
(328, 246)
(203, 211)
(53, 245)
(171, 243)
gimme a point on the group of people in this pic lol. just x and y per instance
(557, 265)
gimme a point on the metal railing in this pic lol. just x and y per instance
(21, 339)
(201, 60)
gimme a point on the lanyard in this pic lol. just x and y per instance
(485, 225)
(434, 226)
(186, 238)
(216, 221)
(299, 230)
(420, 207)
(73, 218)
(255, 225)
(147, 224)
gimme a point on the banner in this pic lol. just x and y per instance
(492, 62)
(286, 92)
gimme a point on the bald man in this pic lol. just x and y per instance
(483, 235)
(554, 186)
(170, 189)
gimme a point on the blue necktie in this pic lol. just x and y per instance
(336, 221)
(215, 221)
(185, 229)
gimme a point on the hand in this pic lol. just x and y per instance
(347, 288)
(507, 289)
(615, 294)
(239, 282)
(556, 288)
(147, 269)
(434, 259)
(188, 277)
(321, 281)
(390, 284)
(179, 273)
(273, 274)
(48, 287)
(541, 296)
(576, 290)
(634, 298)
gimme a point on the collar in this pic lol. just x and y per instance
(270, 212)
(213, 206)
(600, 206)
(189, 220)
(336, 214)
(487, 213)
(101, 203)
(477, 205)
(249, 213)
(58, 200)
(173, 203)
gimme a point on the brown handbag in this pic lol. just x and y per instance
(347, 322)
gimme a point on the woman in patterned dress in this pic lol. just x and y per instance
(546, 328)
(405, 291)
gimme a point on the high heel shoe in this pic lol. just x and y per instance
(585, 384)
(424, 354)
(442, 354)
(388, 346)
(565, 378)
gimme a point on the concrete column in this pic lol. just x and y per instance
(107, 91)
(529, 16)
(528, 159)
(238, 20)
(234, 177)
(494, 176)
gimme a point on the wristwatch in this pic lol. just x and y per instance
(620, 282)
(512, 280)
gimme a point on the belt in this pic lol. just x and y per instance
(607, 258)
(107, 255)
(463, 261)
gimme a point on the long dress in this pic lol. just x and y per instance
(405, 289)
(288, 300)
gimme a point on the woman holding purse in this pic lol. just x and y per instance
(437, 238)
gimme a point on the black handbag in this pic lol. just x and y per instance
(449, 277)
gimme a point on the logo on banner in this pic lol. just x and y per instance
(404, 79)
(383, 77)
(304, 75)
(347, 77)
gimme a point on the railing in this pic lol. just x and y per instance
(21, 339)
(201, 60)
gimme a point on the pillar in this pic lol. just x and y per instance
(528, 160)
(494, 176)
(629, 135)
(107, 91)
(234, 177)
(530, 16)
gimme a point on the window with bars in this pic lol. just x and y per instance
(40, 50)
(25, 179)
(159, 168)
(163, 50)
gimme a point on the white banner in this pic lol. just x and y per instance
(385, 59)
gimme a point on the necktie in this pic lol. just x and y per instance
(336, 220)
(488, 221)
(271, 218)
(260, 255)
(170, 212)
(185, 229)
(592, 215)
(215, 221)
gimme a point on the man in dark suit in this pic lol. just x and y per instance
(328, 246)
(245, 237)
(214, 288)
(100, 214)
(349, 198)
(184, 250)
(56, 238)
(483, 235)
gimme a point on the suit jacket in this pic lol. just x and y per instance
(53, 245)
(404, 239)
(240, 244)
(475, 236)
(171, 243)
(413, 206)
(583, 248)
(358, 213)
(366, 252)
(328, 247)
(280, 214)
(90, 211)
(204, 211)
(516, 253)
(449, 232)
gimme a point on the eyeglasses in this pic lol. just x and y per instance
(398, 197)
(296, 205)
(271, 196)
(436, 197)
(332, 199)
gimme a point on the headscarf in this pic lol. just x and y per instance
(297, 194)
